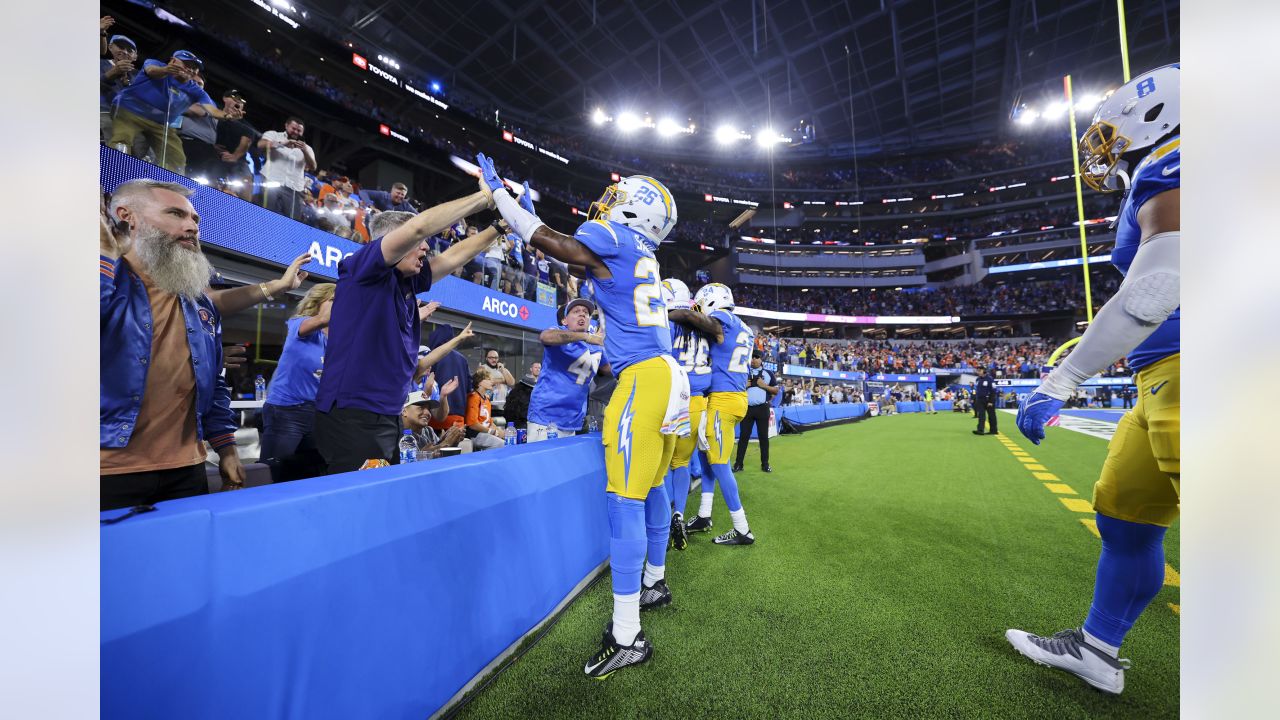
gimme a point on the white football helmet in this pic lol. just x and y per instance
(639, 202)
(676, 294)
(712, 297)
(1137, 116)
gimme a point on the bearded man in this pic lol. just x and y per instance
(162, 393)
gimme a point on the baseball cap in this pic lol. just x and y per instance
(417, 398)
(591, 307)
(122, 40)
(233, 93)
(187, 56)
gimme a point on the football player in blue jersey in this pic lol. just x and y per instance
(650, 405)
(731, 342)
(569, 362)
(693, 352)
(1132, 146)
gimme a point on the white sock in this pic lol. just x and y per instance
(739, 518)
(653, 573)
(1112, 650)
(704, 510)
(626, 618)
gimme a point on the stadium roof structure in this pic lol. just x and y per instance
(910, 74)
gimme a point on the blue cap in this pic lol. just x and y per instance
(188, 56)
(122, 40)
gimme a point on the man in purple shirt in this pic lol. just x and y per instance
(374, 330)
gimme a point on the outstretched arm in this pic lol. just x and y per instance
(698, 321)
(400, 241)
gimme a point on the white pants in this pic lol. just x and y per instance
(538, 432)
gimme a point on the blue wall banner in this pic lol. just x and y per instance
(363, 595)
(802, 371)
(232, 224)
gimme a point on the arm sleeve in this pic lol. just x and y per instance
(1149, 294)
(106, 282)
(219, 423)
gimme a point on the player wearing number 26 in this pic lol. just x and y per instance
(650, 406)
(571, 358)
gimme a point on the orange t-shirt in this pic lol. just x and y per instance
(478, 409)
(165, 436)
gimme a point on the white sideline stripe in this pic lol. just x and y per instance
(511, 649)
(1085, 426)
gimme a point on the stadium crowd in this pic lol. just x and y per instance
(972, 300)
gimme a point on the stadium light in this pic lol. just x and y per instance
(628, 122)
(726, 134)
(1055, 110)
(767, 138)
(1087, 103)
(435, 87)
(598, 117)
(1027, 117)
(668, 127)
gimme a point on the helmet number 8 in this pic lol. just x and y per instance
(648, 293)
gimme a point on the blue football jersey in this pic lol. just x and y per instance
(1159, 171)
(692, 352)
(731, 357)
(635, 317)
(560, 396)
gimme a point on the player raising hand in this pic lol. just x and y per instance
(649, 406)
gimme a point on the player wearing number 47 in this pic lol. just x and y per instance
(650, 405)
(571, 359)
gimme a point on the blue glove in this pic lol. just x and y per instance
(1036, 410)
(526, 200)
(488, 174)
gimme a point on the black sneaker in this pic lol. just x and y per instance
(612, 657)
(736, 468)
(655, 595)
(698, 524)
(733, 537)
(766, 468)
(679, 536)
(978, 432)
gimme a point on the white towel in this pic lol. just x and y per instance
(675, 421)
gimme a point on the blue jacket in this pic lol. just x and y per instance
(125, 334)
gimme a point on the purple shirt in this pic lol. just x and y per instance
(373, 334)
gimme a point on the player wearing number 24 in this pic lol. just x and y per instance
(615, 250)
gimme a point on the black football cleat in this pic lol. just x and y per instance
(612, 657)
(736, 468)
(679, 536)
(698, 524)
(655, 595)
(733, 537)
(766, 468)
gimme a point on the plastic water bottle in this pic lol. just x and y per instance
(512, 437)
(259, 388)
(408, 448)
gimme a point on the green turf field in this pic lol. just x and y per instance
(891, 556)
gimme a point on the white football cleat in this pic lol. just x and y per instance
(1068, 650)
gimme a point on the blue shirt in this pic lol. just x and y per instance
(297, 377)
(730, 356)
(692, 351)
(755, 395)
(163, 99)
(560, 396)
(381, 199)
(374, 330)
(631, 300)
(1158, 172)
